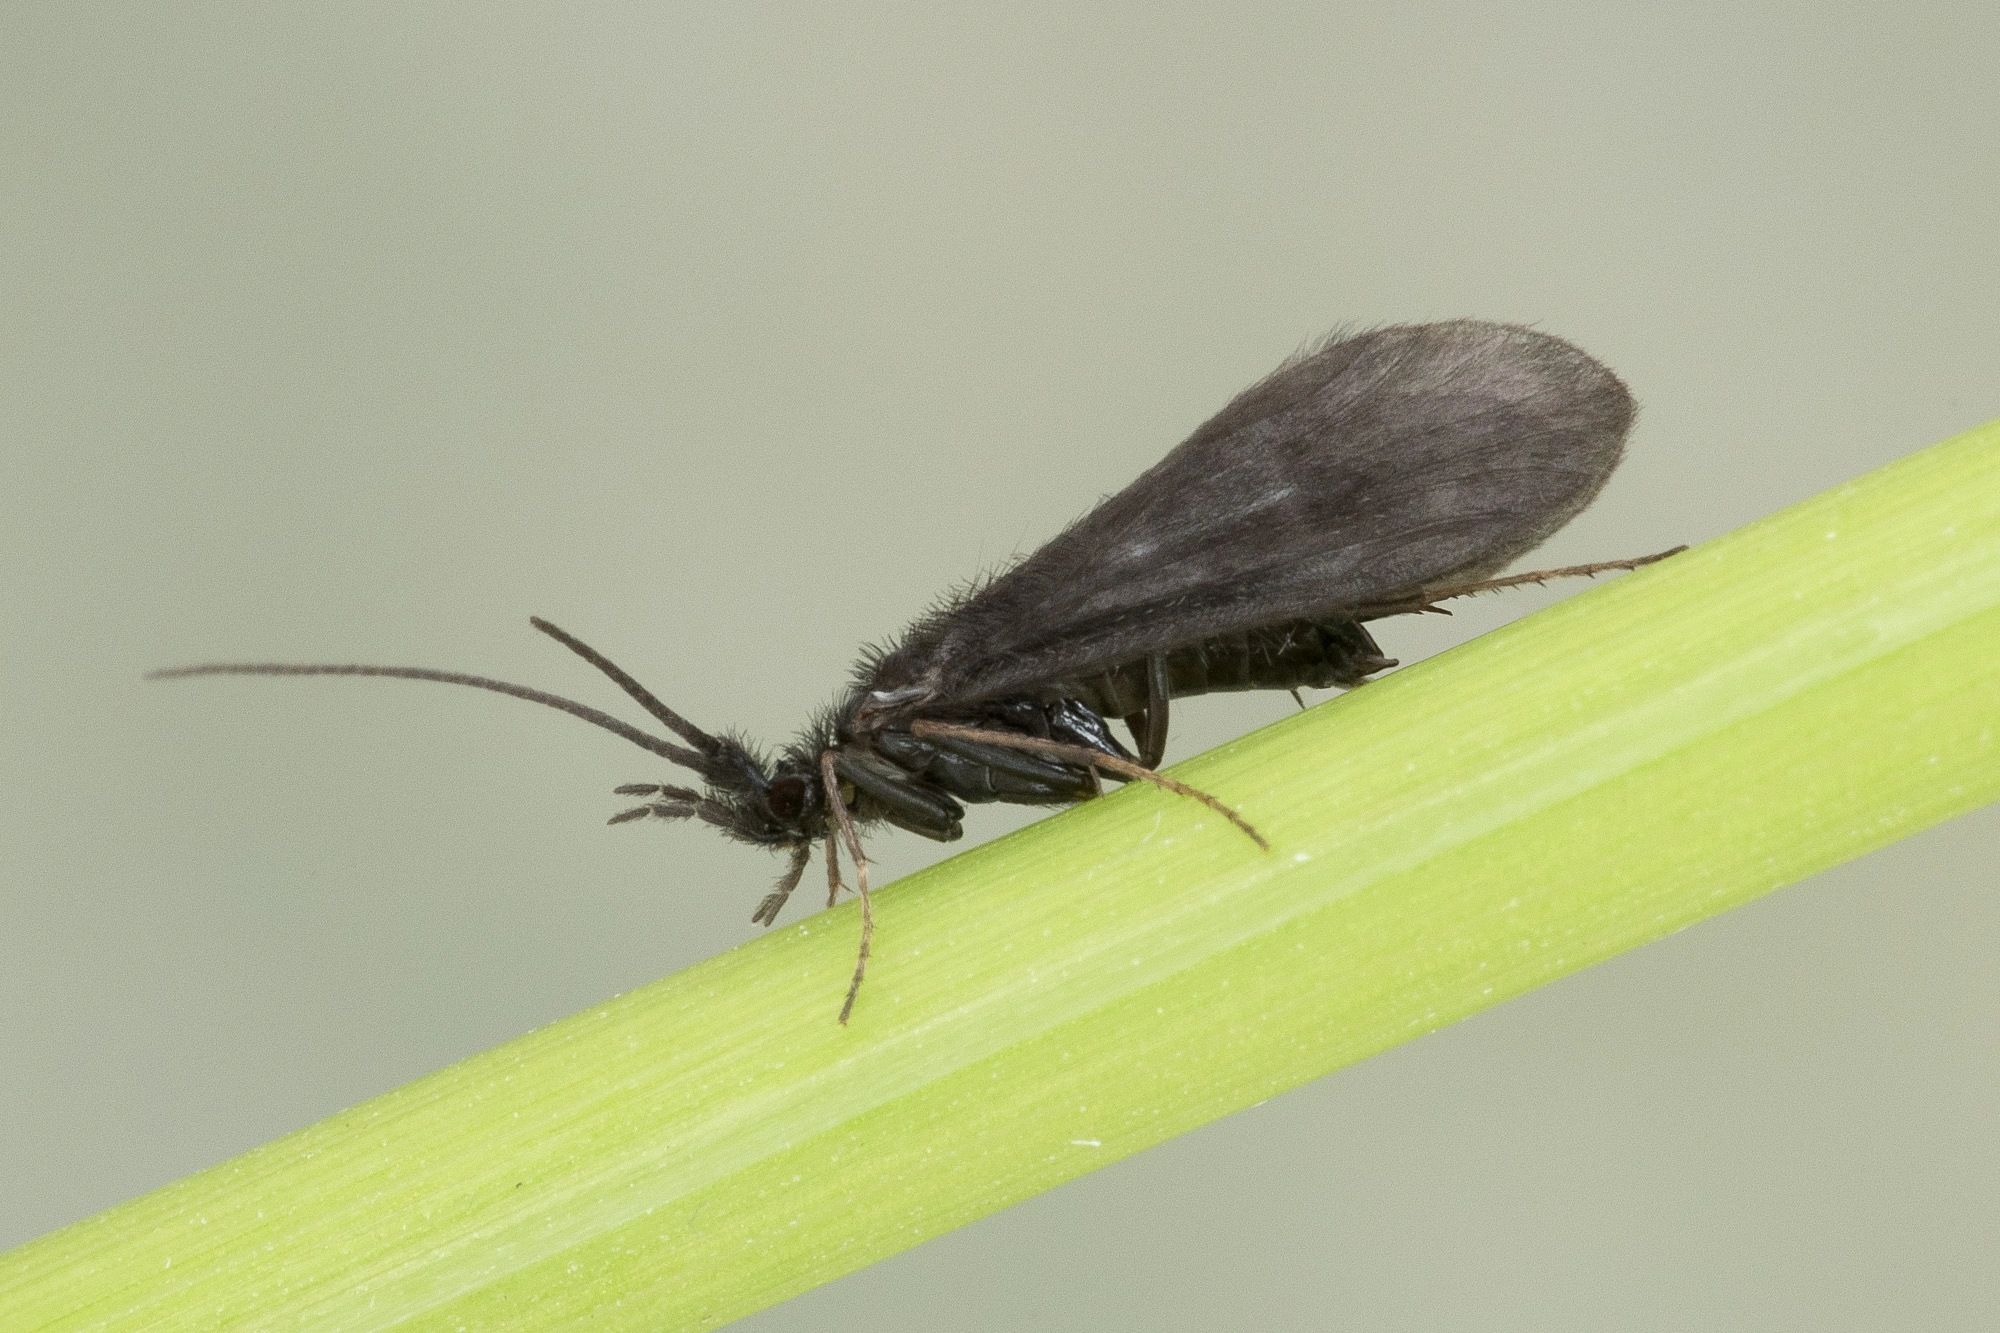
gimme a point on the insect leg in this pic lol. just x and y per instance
(833, 884)
(996, 773)
(1432, 596)
(1078, 754)
(1151, 729)
(853, 840)
(774, 901)
(906, 803)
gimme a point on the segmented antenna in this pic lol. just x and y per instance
(644, 697)
(698, 761)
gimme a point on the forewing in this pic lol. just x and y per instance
(1356, 474)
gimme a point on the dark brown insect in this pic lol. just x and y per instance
(1371, 476)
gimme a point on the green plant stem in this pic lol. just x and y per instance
(1634, 759)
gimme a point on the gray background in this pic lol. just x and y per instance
(728, 337)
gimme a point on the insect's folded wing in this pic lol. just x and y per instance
(1356, 474)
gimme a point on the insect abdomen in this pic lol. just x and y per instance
(1299, 654)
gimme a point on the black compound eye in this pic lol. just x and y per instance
(787, 797)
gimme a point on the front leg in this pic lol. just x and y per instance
(885, 790)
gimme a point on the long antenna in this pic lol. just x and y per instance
(665, 749)
(680, 726)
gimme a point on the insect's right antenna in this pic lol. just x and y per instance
(665, 749)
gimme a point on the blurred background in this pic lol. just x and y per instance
(728, 337)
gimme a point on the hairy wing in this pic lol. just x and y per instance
(1360, 472)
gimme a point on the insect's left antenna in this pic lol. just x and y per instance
(665, 749)
(644, 697)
